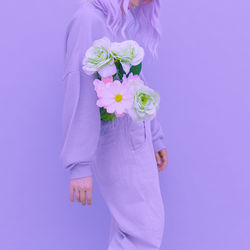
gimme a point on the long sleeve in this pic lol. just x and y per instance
(80, 117)
(158, 135)
(81, 124)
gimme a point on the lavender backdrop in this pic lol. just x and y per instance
(203, 76)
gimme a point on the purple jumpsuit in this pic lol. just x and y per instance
(120, 154)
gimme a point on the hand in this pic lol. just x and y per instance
(79, 186)
(161, 159)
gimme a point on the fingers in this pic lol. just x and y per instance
(82, 196)
(89, 196)
(77, 194)
(164, 159)
(81, 188)
(158, 159)
(71, 193)
(86, 194)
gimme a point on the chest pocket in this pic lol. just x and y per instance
(137, 134)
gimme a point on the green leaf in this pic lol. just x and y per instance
(136, 70)
(115, 77)
(120, 69)
(107, 116)
(98, 76)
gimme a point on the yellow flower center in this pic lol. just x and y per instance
(118, 97)
(144, 100)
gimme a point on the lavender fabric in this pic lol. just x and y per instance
(119, 153)
(81, 122)
(127, 175)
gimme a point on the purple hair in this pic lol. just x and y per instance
(146, 16)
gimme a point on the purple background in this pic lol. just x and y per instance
(203, 77)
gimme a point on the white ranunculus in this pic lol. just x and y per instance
(129, 53)
(99, 58)
(146, 101)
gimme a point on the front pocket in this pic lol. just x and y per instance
(137, 133)
(108, 161)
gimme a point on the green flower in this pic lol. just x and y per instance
(98, 58)
(129, 53)
(146, 102)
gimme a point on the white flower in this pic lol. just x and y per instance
(146, 100)
(98, 58)
(129, 53)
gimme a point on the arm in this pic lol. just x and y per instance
(81, 125)
(158, 140)
(157, 135)
(156, 129)
(80, 118)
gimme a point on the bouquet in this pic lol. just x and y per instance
(119, 88)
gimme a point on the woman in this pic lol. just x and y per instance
(123, 155)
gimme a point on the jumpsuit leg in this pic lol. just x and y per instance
(127, 175)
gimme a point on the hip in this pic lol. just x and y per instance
(125, 152)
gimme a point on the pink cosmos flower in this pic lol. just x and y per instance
(100, 84)
(130, 77)
(132, 80)
(107, 79)
(115, 97)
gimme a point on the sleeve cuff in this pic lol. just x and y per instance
(158, 145)
(80, 170)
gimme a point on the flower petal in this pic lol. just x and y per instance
(126, 67)
(107, 70)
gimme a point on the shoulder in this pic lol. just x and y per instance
(86, 25)
(86, 18)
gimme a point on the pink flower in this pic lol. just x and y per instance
(119, 115)
(130, 77)
(107, 79)
(115, 97)
(100, 84)
(132, 80)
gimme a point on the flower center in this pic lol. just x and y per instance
(118, 97)
(144, 99)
